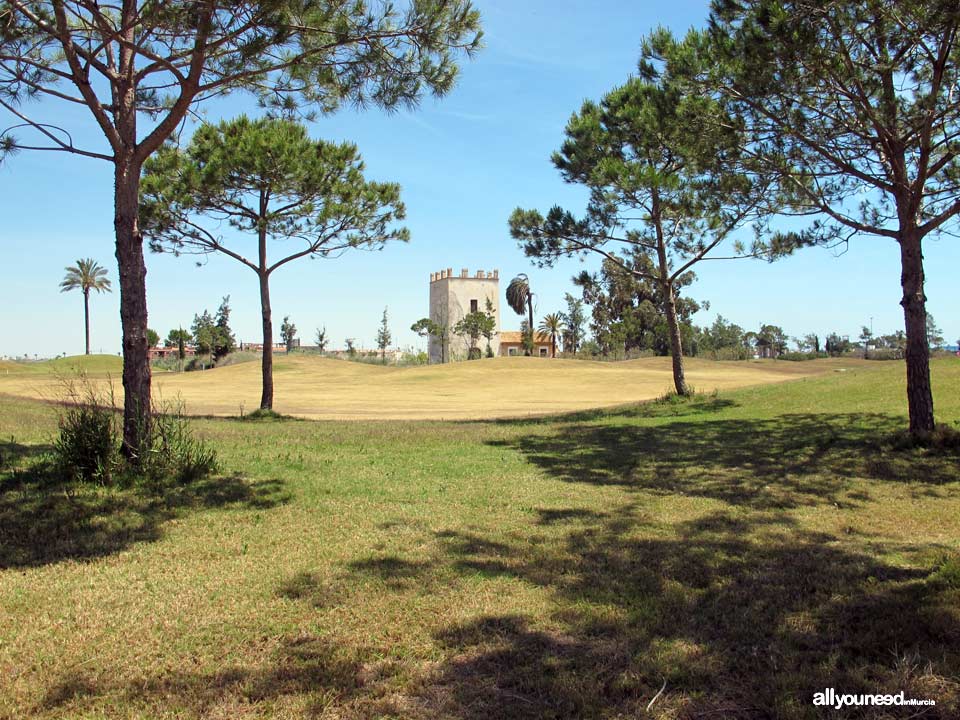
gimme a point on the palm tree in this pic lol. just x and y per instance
(553, 324)
(519, 298)
(87, 275)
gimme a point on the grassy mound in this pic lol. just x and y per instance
(323, 388)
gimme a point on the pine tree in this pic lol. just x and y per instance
(383, 337)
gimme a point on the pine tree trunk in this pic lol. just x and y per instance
(266, 398)
(919, 393)
(676, 343)
(86, 317)
(133, 308)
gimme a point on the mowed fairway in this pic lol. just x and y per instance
(320, 388)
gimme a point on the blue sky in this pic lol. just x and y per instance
(464, 163)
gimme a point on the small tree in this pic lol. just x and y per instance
(866, 337)
(175, 337)
(288, 332)
(322, 339)
(87, 275)
(425, 327)
(383, 337)
(490, 327)
(934, 334)
(153, 338)
(574, 320)
(351, 347)
(204, 333)
(224, 342)
(553, 325)
(837, 345)
(268, 179)
(473, 326)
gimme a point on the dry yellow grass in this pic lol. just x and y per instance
(320, 388)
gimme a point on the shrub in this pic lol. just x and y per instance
(174, 452)
(241, 356)
(87, 447)
(199, 362)
(885, 354)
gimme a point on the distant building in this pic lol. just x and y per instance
(169, 351)
(511, 343)
(277, 347)
(451, 298)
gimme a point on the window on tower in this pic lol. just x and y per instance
(474, 306)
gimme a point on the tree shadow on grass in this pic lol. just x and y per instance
(307, 667)
(733, 617)
(784, 462)
(13, 454)
(44, 520)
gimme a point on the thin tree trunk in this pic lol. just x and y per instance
(670, 302)
(676, 344)
(133, 308)
(919, 393)
(530, 322)
(266, 398)
(86, 317)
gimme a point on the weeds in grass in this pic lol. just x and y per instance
(947, 572)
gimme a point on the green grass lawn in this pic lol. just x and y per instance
(741, 551)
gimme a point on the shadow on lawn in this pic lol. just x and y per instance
(306, 665)
(735, 618)
(43, 520)
(783, 462)
(739, 613)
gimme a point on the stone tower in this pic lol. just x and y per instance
(452, 297)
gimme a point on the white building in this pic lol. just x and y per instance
(451, 298)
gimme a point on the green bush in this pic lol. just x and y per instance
(174, 452)
(885, 354)
(241, 356)
(87, 446)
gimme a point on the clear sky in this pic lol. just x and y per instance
(464, 163)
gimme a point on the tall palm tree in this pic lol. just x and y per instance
(553, 324)
(519, 298)
(87, 275)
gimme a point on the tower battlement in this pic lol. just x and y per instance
(465, 275)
